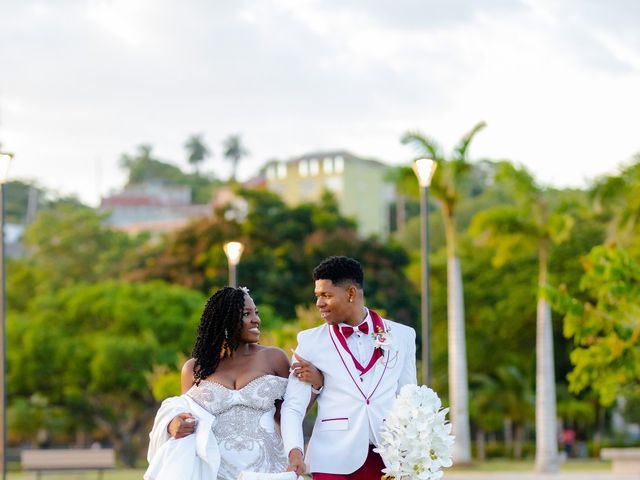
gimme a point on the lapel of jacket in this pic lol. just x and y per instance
(382, 364)
(378, 370)
(345, 361)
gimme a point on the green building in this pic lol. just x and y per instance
(358, 184)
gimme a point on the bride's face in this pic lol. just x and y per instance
(250, 332)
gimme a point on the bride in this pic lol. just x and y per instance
(232, 389)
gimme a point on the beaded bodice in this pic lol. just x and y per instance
(259, 394)
(245, 426)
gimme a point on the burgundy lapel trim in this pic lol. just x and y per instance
(345, 365)
(377, 325)
(377, 321)
(343, 341)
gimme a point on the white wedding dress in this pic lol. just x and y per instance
(248, 438)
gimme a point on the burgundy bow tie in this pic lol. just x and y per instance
(347, 331)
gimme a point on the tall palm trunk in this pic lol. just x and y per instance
(458, 384)
(546, 438)
(508, 436)
(234, 168)
(519, 441)
(401, 201)
(480, 445)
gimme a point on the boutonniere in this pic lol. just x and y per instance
(382, 340)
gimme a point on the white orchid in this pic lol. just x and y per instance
(416, 439)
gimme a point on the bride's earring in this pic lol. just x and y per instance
(226, 348)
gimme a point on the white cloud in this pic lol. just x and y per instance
(88, 80)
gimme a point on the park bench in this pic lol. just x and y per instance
(623, 460)
(99, 459)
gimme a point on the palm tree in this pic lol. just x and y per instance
(619, 196)
(143, 156)
(197, 151)
(503, 396)
(234, 151)
(446, 188)
(530, 225)
(404, 181)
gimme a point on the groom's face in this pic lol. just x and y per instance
(333, 301)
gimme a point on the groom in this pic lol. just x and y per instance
(362, 376)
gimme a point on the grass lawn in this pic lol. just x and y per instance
(130, 474)
(488, 466)
(501, 465)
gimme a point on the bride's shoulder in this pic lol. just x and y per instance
(276, 359)
(274, 353)
(186, 374)
(188, 366)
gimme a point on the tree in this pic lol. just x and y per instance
(531, 225)
(499, 329)
(25, 199)
(504, 398)
(234, 151)
(197, 151)
(67, 245)
(192, 257)
(604, 328)
(89, 353)
(446, 187)
(22, 200)
(406, 186)
(143, 167)
(618, 197)
(282, 246)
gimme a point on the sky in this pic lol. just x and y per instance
(84, 81)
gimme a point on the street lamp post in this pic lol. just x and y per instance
(424, 169)
(233, 250)
(5, 161)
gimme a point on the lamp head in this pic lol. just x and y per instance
(424, 168)
(233, 250)
(5, 163)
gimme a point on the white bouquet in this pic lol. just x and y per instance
(416, 438)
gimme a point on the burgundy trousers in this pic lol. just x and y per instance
(370, 470)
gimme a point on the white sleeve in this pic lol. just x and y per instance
(408, 374)
(294, 409)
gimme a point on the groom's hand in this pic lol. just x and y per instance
(296, 462)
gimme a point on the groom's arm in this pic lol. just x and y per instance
(294, 408)
(408, 373)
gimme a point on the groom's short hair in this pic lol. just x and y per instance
(340, 270)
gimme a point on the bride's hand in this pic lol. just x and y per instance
(296, 462)
(182, 425)
(307, 372)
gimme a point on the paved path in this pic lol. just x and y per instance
(537, 476)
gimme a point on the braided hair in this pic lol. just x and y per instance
(219, 330)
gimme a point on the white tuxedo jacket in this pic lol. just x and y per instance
(350, 406)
